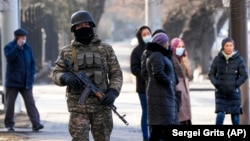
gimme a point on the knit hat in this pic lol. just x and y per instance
(20, 32)
(224, 41)
(160, 38)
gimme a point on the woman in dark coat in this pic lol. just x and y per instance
(143, 36)
(228, 72)
(162, 107)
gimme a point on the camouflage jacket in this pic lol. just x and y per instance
(104, 55)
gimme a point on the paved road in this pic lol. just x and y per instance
(51, 103)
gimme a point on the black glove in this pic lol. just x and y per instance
(109, 98)
(71, 80)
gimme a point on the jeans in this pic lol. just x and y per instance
(235, 118)
(144, 126)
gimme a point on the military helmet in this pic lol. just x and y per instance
(80, 17)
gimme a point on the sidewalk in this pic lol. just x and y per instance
(51, 102)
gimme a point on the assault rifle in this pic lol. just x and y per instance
(89, 87)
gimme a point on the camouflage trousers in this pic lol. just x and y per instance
(99, 123)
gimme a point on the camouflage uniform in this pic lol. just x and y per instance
(99, 62)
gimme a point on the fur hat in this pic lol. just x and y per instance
(20, 32)
(160, 38)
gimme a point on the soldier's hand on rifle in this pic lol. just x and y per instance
(109, 97)
(72, 81)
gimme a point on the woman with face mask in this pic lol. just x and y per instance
(143, 36)
(184, 73)
(160, 89)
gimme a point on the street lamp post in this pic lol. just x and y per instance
(10, 22)
(152, 14)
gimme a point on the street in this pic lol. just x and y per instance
(51, 103)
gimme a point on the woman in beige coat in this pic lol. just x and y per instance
(184, 73)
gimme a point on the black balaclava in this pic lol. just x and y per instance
(84, 35)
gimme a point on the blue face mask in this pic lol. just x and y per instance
(179, 51)
(147, 39)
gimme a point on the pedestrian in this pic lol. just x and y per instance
(227, 73)
(160, 90)
(143, 36)
(19, 77)
(88, 54)
(184, 74)
(145, 55)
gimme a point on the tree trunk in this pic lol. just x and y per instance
(198, 32)
(96, 9)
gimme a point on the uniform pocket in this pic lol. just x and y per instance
(97, 60)
(89, 60)
(80, 59)
(98, 77)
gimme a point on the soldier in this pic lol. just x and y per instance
(88, 54)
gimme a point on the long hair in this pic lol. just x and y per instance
(174, 44)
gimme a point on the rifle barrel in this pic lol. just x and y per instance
(121, 117)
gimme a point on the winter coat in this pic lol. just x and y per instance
(20, 69)
(160, 90)
(144, 56)
(135, 67)
(184, 74)
(227, 76)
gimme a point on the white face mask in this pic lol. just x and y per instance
(147, 39)
(24, 41)
(179, 51)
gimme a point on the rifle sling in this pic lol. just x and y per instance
(73, 49)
